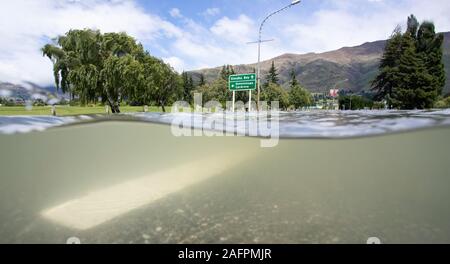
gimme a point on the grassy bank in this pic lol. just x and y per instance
(68, 110)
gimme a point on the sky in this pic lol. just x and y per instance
(198, 34)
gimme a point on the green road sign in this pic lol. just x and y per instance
(242, 82)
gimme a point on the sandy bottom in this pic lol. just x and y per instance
(136, 183)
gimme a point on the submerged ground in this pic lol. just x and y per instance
(122, 182)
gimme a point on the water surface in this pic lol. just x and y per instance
(110, 182)
(307, 124)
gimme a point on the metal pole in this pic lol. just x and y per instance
(259, 71)
(234, 98)
(294, 2)
(249, 101)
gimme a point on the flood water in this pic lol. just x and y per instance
(134, 182)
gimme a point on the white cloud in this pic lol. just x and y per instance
(177, 63)
(175, 12)
(241, 29)
(349, 23)
(210, 12)
(21, 59)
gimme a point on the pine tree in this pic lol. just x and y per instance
(293, 81)
(412, 73)
(230, 70)
(188, 86)
(414, 87)
(191, 83)
(412, 26)
(272, 76)
(226, 71)
(387, 78)
(430, 46)
(202, 80)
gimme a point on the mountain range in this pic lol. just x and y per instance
(349, 68)
(26, 91)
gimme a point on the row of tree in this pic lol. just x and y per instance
(412, 72)
(295, 97)
(110, 67)
(113, 68)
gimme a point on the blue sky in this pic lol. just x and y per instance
(199, 33)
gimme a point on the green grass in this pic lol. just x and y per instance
(69, 110)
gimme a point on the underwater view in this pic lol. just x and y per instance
(224, 131)
(333, 177)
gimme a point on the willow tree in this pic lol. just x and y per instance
(76, 62)
(167, 84)
(91, 65)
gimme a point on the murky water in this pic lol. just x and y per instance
(133, 182)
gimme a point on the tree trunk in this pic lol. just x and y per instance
(115, 109)
(162, 106)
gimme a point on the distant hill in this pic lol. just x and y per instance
(26, 91)
(319, 72)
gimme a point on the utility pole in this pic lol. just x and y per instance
(294, 2)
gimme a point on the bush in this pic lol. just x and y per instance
(443, 103)
(39, 102)
(378, 105)
(299, 97)
(354, 102)
(274, 92)
(74, 102)
(9, 102)
(217, 91)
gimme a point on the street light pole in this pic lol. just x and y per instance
(259, 46)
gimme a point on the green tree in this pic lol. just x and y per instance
(226, 71)
(415, 85)
(112, 66)
(274, 92)
(216, 90)
(299, 97)
(188, 87)
(411, 71)
(430, 48)
(167, 85)
(119, 76)
(272, 76)
(202, 80)
(443, 103)
(388, 77)
(293, 81)
(412, 26)
(354, 102)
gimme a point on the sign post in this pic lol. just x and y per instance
(242, 82)
(249, 101)
(234, 99)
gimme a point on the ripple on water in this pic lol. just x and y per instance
(308, 124)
